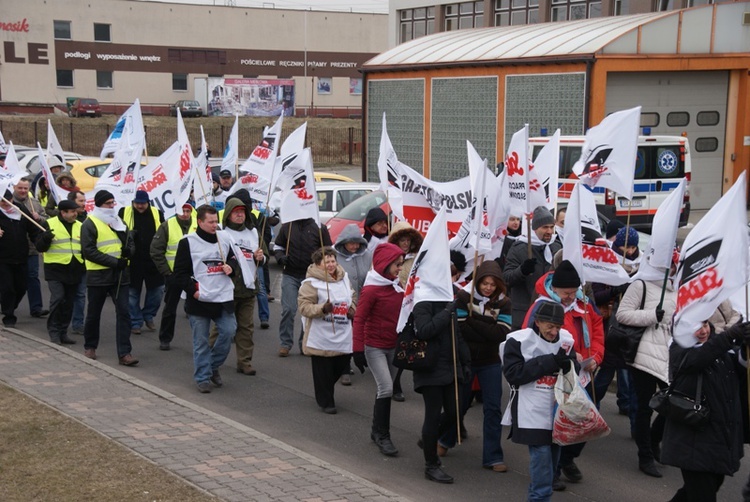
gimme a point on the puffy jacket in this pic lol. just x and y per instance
(311, 310)
(143, 227)
(582, 312)
(109, 276)
(355, 264)
(378, 305)
(522, 287)
(432, 322)
(296, 254)
(717, 447)
(724, 316)
(490, 319)
(653, 351)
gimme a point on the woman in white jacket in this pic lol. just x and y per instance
(649, 370)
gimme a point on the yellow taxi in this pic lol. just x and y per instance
(87, 172)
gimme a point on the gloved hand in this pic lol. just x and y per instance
(48, 235)
(528, 266)
(467, 373)
(561, 359)
(740, 333)
(327, 307)
(451, 306)
(360, 361)
(283, 259)
(126, 252)
(659, 315)
(122, 264)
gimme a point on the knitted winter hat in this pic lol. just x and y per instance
(565, 276)
(541, 217)
(101, 197)
(632, 237)
(550, 312)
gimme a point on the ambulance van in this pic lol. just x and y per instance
(660, 164)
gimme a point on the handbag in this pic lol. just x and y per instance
(678, 407)
(623, 338)
(414, 354)
(576, 418)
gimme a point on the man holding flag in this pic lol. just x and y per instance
(22, 197)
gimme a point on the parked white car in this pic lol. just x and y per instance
(28, 159)
(334, 196)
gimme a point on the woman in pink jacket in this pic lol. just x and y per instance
(375, 335)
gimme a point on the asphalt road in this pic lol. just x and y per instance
(279, 401)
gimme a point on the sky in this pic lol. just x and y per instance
(377, 6)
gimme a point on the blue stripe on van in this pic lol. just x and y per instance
(651, 187)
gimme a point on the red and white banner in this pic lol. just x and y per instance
(547, 169)
(517, 173)
(609, 152)
(159, 178)
(713, 263)
(128, 132)
(299, 199)
(202, 181)
(257, 172)
(430, 276)
(183, 182)
(11, 172)
(389, 172)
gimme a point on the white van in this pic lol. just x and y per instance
(660, 164)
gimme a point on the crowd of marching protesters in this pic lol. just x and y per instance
(523, 317)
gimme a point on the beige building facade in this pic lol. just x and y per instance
(119, 50)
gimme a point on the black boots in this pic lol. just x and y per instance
(381, 426)
(435, 473)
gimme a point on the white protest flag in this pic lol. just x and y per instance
(121, 176)
(609, 152)
(547, 169)
(53, 145)
(57, 193)
(11, 172)
(158, 179)
(231, 152)
(290, 149)
(128, 130)
(430, 276)
(299, 198)
(657, 258)
(202, 182)
(593, 258)
(257, 172)
(713, 262)
(389, 172)
(3, 145)
(517, 172)
(475, 236)
(498, 208)
(12, 212)
(183, 182)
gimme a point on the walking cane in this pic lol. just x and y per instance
(455, 379)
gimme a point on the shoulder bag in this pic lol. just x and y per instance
(623, 338)
(414, 354)
(678, 407)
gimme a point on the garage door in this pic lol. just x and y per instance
(677, 102)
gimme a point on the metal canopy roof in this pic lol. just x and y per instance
(652, 33)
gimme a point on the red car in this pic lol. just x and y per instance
(85, 107)
(356, 212)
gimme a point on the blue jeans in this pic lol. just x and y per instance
(542, 465)
(289, 291)
(491, 382)
(150, 306)
(33, 287)
(207, 359)
(80, 304)
(263, 312)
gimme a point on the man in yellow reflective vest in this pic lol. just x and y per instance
(106, 247)
(163, 252)
(143, 219)
(63, 268)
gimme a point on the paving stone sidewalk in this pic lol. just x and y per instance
(219, 455)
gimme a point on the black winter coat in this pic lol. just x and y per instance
(142, 267)
(14, 244)
(432, 322)
(717, 447)
(304, 241)
(109, 276)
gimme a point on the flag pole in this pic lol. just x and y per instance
(528, 236)
(455, 378)
(747, 350)
(26, 216)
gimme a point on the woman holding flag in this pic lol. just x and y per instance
(326, 301)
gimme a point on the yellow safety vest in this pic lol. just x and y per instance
(175, 234)
(127, 217)
(107, 242)
(65, 246)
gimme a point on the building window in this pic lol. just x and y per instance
(196, 56)
(64, 78)
(515, 12)
(563, 10)
(416, 23)
(460, 16)
(104, 80)
(706, 144)
(179, 82)
(678, 119)
(649, 119)
(707, 118)
(62, 30)
(102, 32)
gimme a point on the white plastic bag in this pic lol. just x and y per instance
(576, 418)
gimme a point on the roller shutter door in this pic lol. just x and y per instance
(677, 102)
